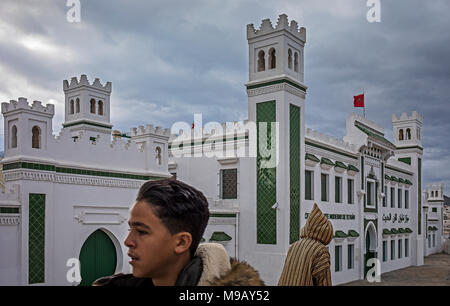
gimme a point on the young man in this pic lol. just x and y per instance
(166, 225)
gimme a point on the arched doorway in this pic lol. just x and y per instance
(370, 246)
(97, 258)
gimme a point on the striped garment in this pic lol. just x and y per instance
(308, 260)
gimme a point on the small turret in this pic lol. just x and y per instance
(407, 130)
(87, 106)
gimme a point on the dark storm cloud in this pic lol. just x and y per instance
(169, 59)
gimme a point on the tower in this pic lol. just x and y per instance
(28, 128)
(407, 134)
(276, 103)
(87, 107)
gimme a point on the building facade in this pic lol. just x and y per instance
(68, 196)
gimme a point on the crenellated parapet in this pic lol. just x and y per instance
(415, 116)
(22, 104)
(75, 84)
(149, 130)
(329, 140)
(282, 24)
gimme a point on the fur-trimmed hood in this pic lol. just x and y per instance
(220, 270)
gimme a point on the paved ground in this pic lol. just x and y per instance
(434, 272)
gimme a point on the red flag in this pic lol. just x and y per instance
(358, 101)
(192, 124)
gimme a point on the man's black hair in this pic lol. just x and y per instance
(180, 207)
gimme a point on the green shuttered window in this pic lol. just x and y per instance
(309, 185)
(338, 189)
(36, 239)
(266, 174)
(324, 187)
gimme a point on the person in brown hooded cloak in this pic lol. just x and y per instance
(308, 260)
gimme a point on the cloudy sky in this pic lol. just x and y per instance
(170, 59)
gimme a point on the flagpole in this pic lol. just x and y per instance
(364, 108)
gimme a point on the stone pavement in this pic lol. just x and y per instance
(434, 272)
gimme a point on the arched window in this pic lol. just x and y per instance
(100, 108)
(71, 111)
(78, 105)
(408, 134)
(272, 59)
(14, 137)
(296, 62)
(261, 61)
(290, 59)
(36, 137)
(400, 135)
(92, 106)
(158, 155)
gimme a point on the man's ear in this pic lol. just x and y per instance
(183, 241)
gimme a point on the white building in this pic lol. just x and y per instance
(434, 218)
(68, 196)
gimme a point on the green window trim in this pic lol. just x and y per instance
(394, 179)
(408, 230)
(400, 180)
(326, 161)
(203, 239)
(352, 233)
(311, 157)
(340, 234)
(406, 160)
(401, 231)
(352, 168)
(386, 232)
(340, 165)
(220, 236)
(387, 177)
(394, 231)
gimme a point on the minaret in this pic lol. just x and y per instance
(276, 103)
(407, 134)
(87, 107)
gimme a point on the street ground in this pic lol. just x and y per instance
(434, 272)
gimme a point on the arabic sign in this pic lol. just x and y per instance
(394, 218)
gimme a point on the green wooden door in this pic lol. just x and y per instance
(97, 258)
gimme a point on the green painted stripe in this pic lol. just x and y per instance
(219, 215)
(182, 144)
(77, 171)
(88, 123)
(36, 238)
(266, 181)
(331, 150)
(9, 210)
(294, 172)
(412, 147)
(298, 86)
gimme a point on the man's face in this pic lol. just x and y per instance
(151, 246)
